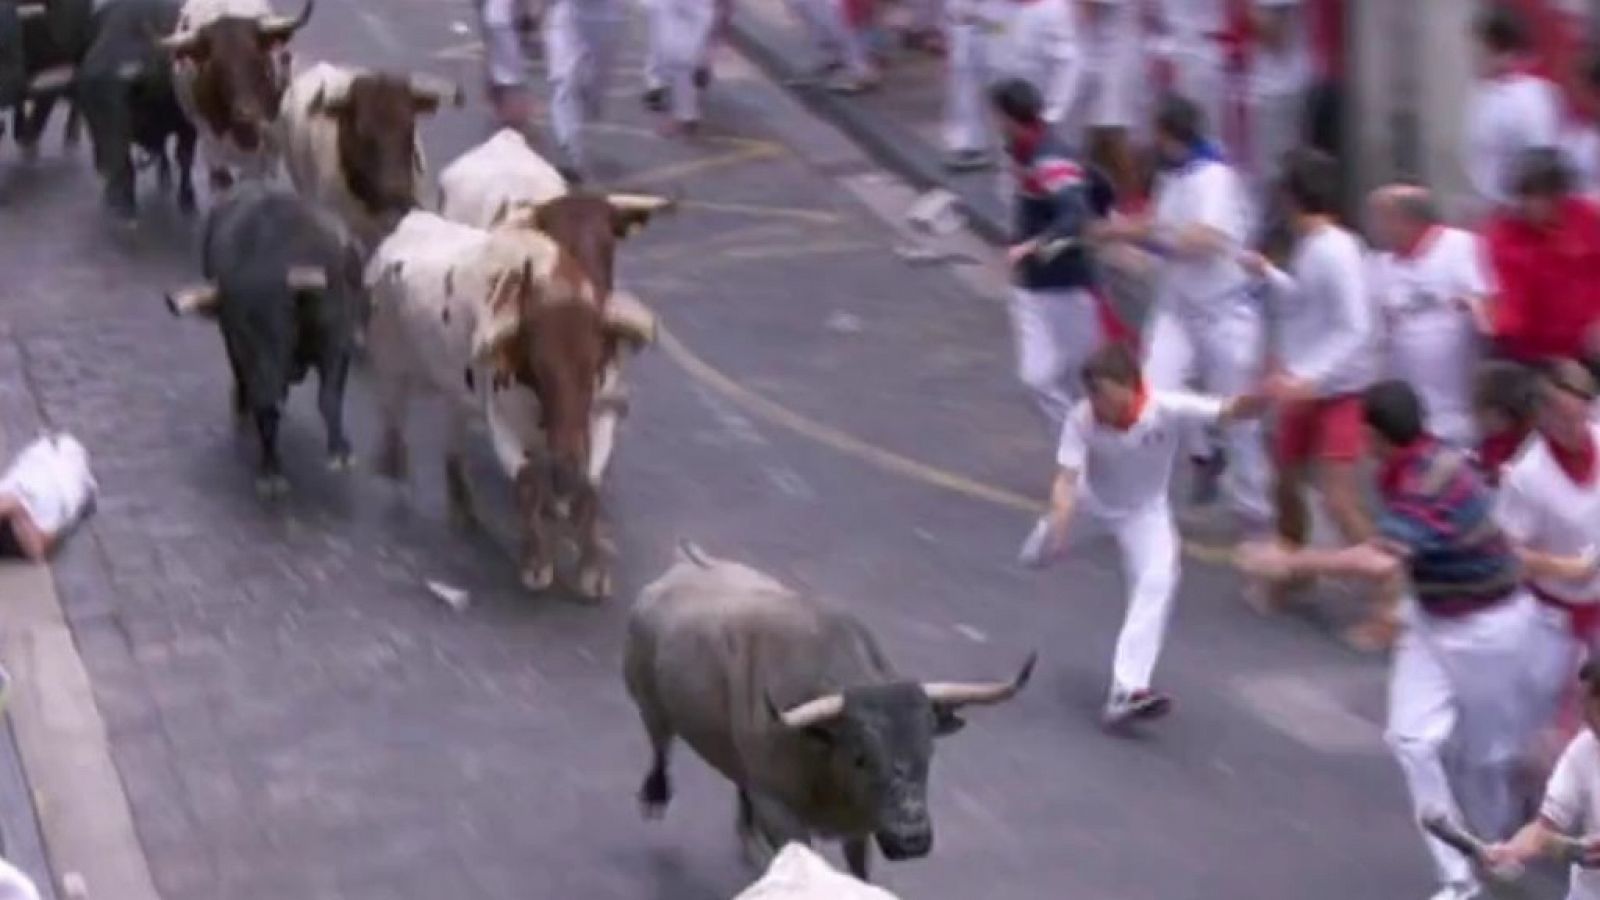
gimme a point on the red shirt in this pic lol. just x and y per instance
(1547, 281)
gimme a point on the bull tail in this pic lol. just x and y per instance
(691, 551)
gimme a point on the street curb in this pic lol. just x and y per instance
(891, 146)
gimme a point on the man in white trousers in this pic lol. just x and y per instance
(1207, 324)
(998, 40)
(509, 29)
(678, 66)
(1549, 506)
(1463, 678)
(1115, 457)
(1056, 312)
(582, 38)
(1277, 86)
(1432, 287)
(1113, 103)
(1510, 111)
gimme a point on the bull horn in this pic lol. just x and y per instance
(439, 90)
(692, 552)
(630, 319)
(307, 278)
(284, 26)
(645, 204)
(956, 695)
(813, 712)
(179, 41)
(196, 300)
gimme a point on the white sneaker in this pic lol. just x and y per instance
(1459, 891)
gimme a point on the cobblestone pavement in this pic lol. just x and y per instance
(295, 716)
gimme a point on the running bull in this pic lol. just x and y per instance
(795, 703)
(503, 177)
(284, 282)
(231, 72)
(40, 44)
(505, 324)
(350, 141)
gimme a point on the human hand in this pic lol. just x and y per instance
(1248, 406)
(1283, 387)
(1017, 253)
(1269, 560)
(1046, 542)
(1375, 633)
(1254, 264)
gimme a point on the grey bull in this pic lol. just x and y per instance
(795, 703)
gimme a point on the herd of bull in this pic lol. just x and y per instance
(497, 292)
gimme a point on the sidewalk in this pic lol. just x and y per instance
(898, 124)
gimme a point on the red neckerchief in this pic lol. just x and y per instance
(1141, 398)
(1420, 244)
(1497, 449)
(1577, 462)
(1394, 468)
(1027, 144)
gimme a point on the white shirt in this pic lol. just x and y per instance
(1541, 508)
(1125, 472)
(51, 480)
(1580, 144)
(1430, 338)
(1505, 117)
(1327, 329)
(1572, 804)
(1207, 193)
(1285, 70)
(1194, 20)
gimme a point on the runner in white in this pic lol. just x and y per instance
(44, 493)
(1570, 815)
(1115, 94)
(677, 67)
(1278, 83)
(1206, 324)
(1431, 287)
(1511, 110)
(582, 38)
(1193, 37)
(1116, 455)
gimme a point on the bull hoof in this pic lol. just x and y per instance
(392, 461)
(594, 583)
(186, 204)
(540, 578)
(654, 795)
(272, 487)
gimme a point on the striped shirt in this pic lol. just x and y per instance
(1440, 516)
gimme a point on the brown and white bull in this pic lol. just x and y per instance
(503, 179)
(230, 72)
(350, 142)
(508, 326)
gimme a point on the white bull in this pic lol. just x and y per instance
(350, 143)
(504, 325)
(483, 185)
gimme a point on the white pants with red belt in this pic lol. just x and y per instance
(1148, 543)
(1056, 331)
(1465, 694)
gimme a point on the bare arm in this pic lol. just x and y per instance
(1556, 567)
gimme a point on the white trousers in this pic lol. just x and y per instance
(1464, 699)
(967, 124)
(1055, 331)
(582, 38)
(14, 885)
(1148, 542)
(680, 43)
(1274, 123)
(1224, 353)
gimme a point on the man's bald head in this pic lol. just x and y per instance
(1401, 214)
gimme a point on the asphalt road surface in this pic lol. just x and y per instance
(294, 715)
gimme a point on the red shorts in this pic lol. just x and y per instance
(1327, 429)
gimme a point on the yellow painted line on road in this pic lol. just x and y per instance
(679, 171)
(887, 460)
(815, 216)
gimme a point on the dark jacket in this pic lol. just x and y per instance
(1056, 198)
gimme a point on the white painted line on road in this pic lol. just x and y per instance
(381, 31)
(1303, 707)
(789, 483)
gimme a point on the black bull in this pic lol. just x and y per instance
(124, 88)
(40, 42)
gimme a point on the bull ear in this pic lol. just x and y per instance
(325, 104)
(946, 722)
(190, 45)
(630, 213)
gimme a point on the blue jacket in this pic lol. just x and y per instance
(1057, 197)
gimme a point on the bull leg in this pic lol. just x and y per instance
(270, 482)
(241, 409)
(331, 379)
(73, 136)
(858, 854)
(594, 578)
(185, 158)
(538, 570)
(220, 180)
(462, 512)
(772, 826)
(656, 792)
(394, 459)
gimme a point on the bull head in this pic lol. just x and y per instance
(947, 697)
(630, 213)
(272, 28)
(430, 93)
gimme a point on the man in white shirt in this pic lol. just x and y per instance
(1568, 823)
(1115, 456)
(1195, 38)
(992, 41)
(582, 38)
(1206, 324)
(1278, 81)
(1431, 287)
(1511, 111)
(1323, 356)
(47, 489)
